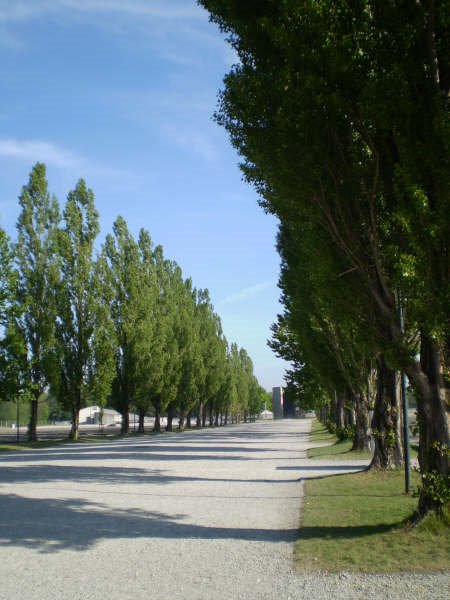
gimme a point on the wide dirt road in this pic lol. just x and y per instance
(208, 514)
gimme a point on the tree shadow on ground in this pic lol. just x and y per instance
(110, 476)
(82, 454)
(327, 467)
(53, 525)
(346, 533)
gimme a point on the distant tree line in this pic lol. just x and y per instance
(341, 112)
(120, 327)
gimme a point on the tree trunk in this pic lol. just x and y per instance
(189, 421)
(199, 414)
(333, 410)
(433, 410)
(141, 428)
(125, 428)
(361, 437)
(226, 418)
(339, 418)
(216, 420)
(349, 416)
(181, 422)
(32, 425)
(211, 416)
(157, 425)
(170, 412)
(74, 430)
(386, 421)
(204, 415)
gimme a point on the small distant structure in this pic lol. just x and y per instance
(277, 402)
(91, 415)
(266, 415)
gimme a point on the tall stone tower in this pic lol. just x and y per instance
(277, 402)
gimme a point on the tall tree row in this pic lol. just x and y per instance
(341, 114)
(114, 324)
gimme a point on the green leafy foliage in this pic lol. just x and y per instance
(33, 323)
(340, 113)
(123, 328)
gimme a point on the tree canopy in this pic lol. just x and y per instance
(340, 112)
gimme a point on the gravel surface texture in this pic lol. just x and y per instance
(208, 514)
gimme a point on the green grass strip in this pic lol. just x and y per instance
(335, 448)
(357, 523)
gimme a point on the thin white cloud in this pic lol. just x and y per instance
(39, 150)
(163, 9)
(176, 30)
(27, 10)
(247, 293)
(197, 143)
(32, 151)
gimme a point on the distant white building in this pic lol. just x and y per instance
(277, 402)
(266, 414)
(91, 416)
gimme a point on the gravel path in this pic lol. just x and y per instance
(209, 514)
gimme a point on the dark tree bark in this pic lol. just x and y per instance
(157, 425)
(199, 414)
(361, 437)
(433, 413)
(204, 415)
(181, 422)
(75, 425)
(170, 414)
(386, 421)
(141, 428)
(339, 410)
(125, 428)
(32, 426)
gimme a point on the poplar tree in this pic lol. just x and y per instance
(152, 328)
(163, 362)
(13, 356)
(193, 371)
(213, 350)
(122, 254)
(38, 273)
(83, 330)
(176, 293)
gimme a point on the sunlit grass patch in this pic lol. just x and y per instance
(335, 448)
(358, 522)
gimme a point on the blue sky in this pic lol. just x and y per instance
(121, 93)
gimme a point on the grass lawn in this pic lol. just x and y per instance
(335, 449)
(357, 523)
(23, 446)
(99, 438)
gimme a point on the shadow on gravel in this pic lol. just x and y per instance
(329, 467)
(55, 525)
(108, 475)
(143, 452)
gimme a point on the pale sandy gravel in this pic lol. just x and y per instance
(202, 515)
